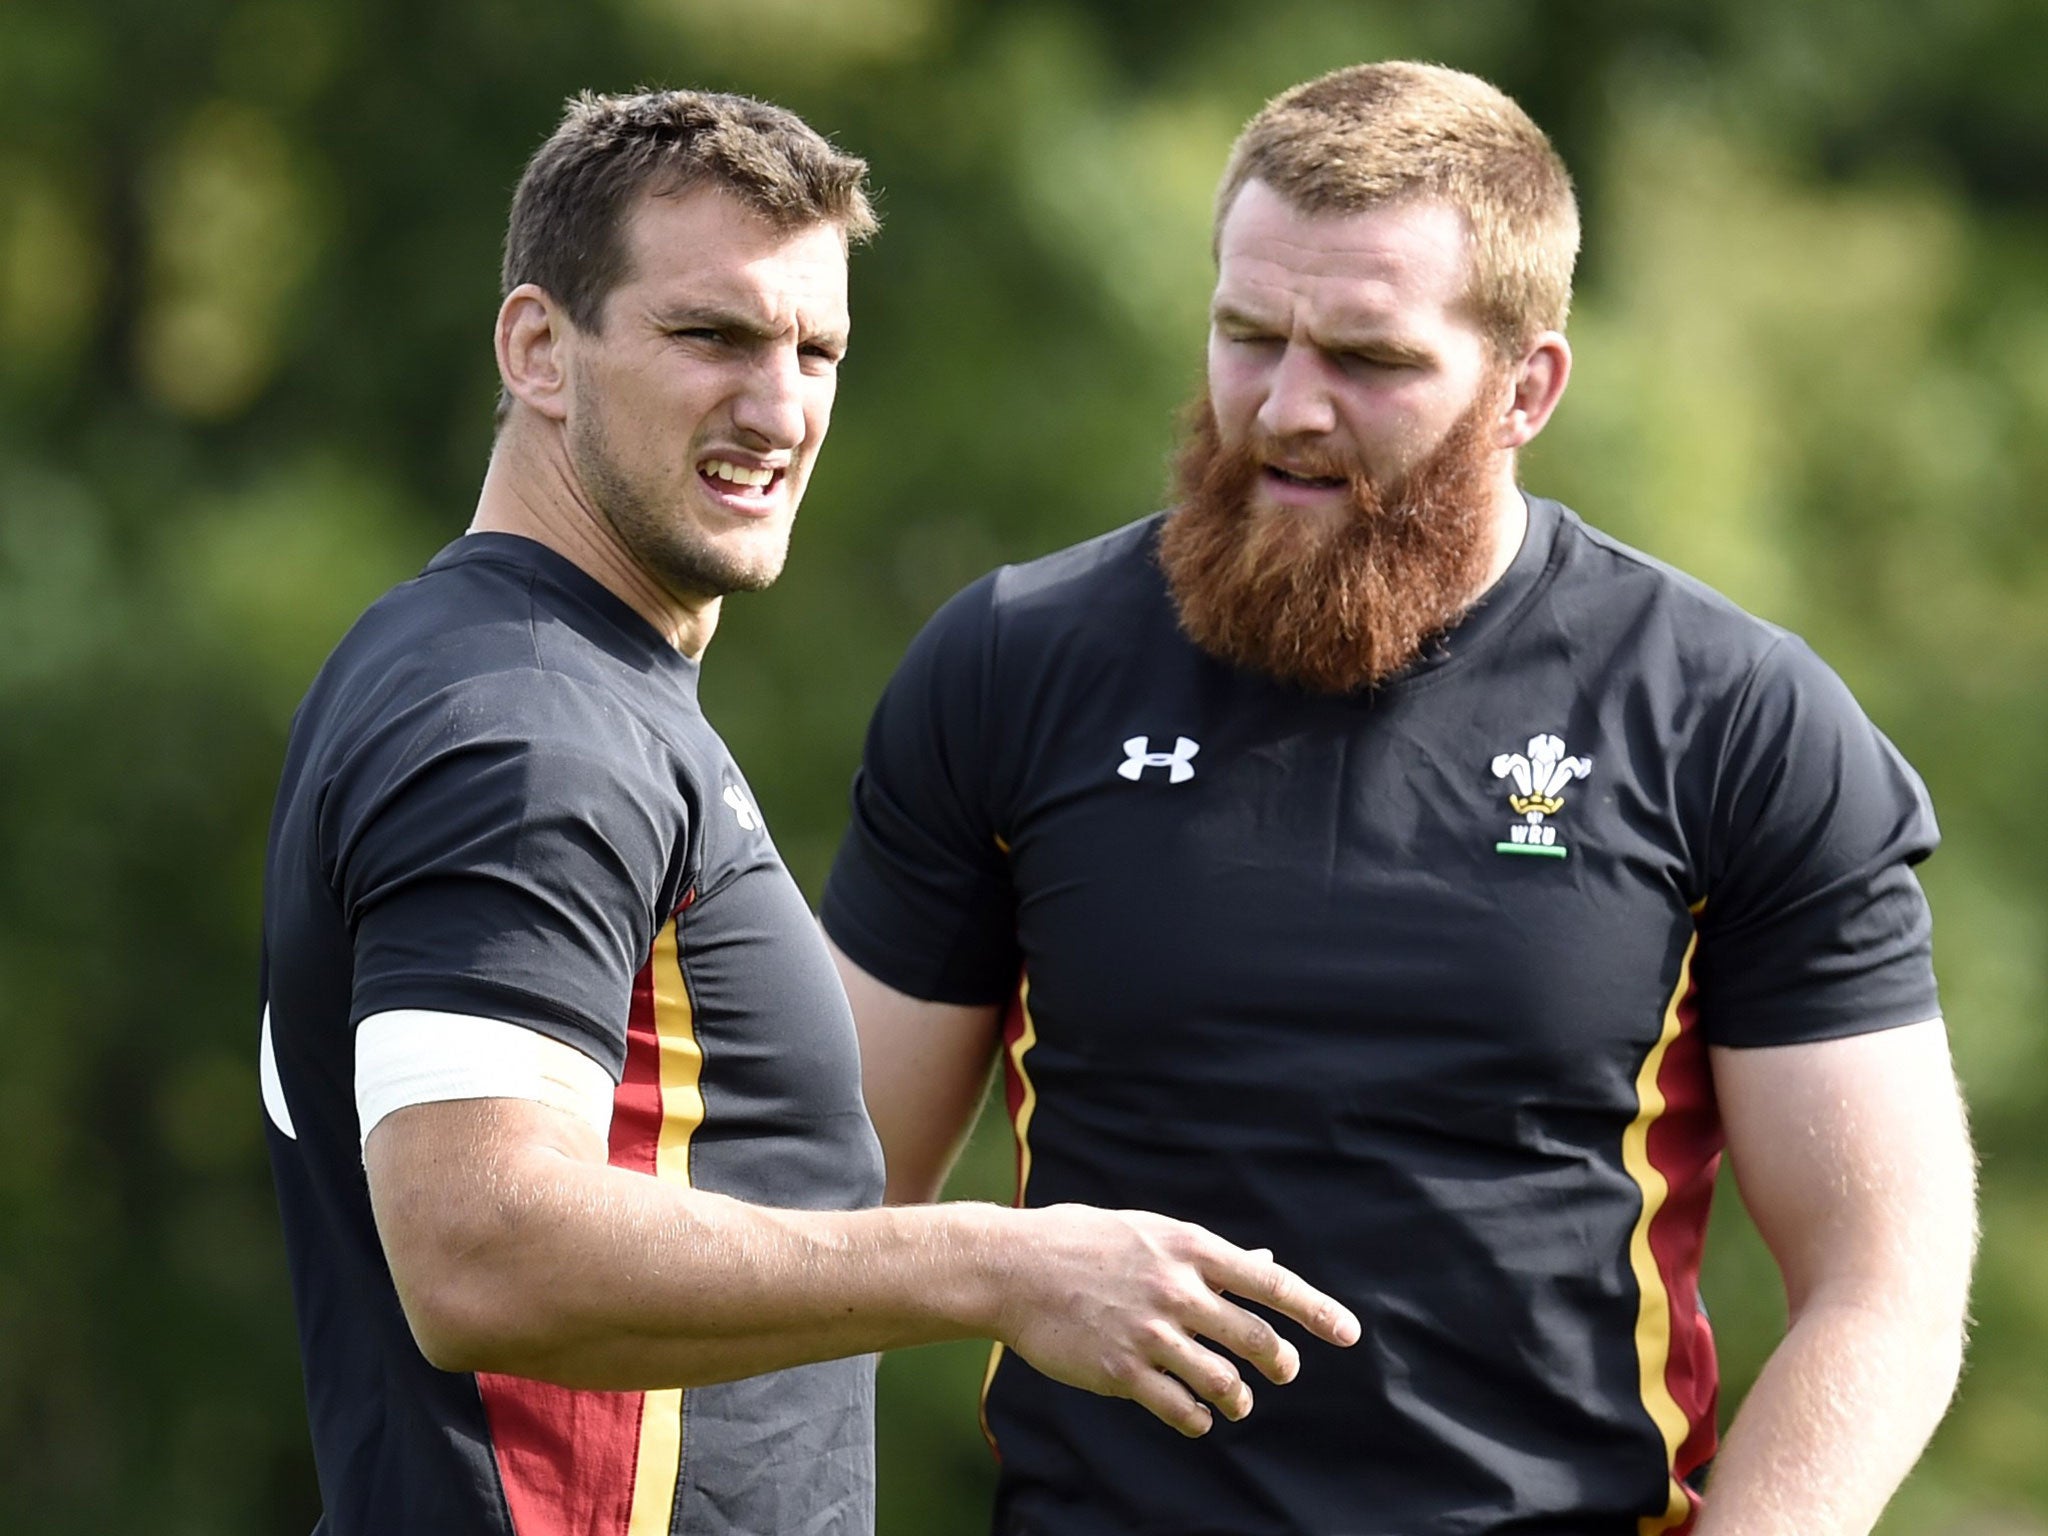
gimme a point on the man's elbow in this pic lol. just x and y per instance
(473, 1295)
(463, 1325)
(484, 1209)
(457, 1328)
(1933, 1368)
(1913, 1311)
(1941, 1271)
(1938, 1312)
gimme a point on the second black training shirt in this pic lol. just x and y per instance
(501, 799)
(1413, 986)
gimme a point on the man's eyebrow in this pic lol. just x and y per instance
(1223, 312)
(1392, 349)
(736, 322)
(1387, 349)
(712, 317)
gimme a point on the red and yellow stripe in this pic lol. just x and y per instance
(1672, 1151)
(1020, 1094)
(577, 1463)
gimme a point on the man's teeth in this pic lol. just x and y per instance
(737, 473)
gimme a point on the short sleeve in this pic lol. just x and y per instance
(1814, 925)
(503, 852)
(920, 894)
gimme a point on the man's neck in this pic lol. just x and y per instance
(531, 489)
(1508, 521)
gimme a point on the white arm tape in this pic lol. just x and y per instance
(417, 1056)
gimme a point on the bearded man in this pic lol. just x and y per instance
(1372, 858)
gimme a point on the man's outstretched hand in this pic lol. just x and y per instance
(1126, 1303)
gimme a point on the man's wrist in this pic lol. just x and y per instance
(969, 1252)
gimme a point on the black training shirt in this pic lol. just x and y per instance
(1412, 986)
(500, 799)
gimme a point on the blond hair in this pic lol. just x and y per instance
(1377, 134)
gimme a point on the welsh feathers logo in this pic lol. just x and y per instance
(1541, 778)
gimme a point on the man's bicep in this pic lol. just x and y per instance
(921, 890)
(923, 1068)
(445, 1177)
(426, 1162)
(1853, 1159)
(920, 894)
(452, 1109)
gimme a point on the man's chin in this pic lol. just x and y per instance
(722, 578)
(696, 570)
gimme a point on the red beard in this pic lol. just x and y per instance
(1333, 603)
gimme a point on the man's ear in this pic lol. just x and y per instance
(532, 342)
(1539, 381)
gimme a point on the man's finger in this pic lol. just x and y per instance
(1250, 1337)
(1278, 1287)
(1207, 1374)
(1172, 1403)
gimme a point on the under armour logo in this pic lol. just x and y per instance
(1179, 763)
(749, 818)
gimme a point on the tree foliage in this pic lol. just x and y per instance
(247, 270)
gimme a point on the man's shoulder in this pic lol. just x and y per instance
(470, 610)
(1100, 587)
(1114, 565)
(1113, 568)
(494, 602)
(1605, 586)
(482, 647)
(1108, 588)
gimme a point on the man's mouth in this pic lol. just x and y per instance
(729, 478)
(1310, 482)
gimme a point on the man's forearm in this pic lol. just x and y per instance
(603, 1278)
(516, 1248)
(1837, 1418)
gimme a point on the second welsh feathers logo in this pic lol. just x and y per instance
(1540, 779)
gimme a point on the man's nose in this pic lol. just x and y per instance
(1298, 402)
(769, 411)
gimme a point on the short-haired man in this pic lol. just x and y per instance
(1370, 857)
(563, 1091)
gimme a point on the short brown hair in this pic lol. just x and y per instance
(567, 230)
(1374, 134)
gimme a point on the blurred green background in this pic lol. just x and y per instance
(247, 258)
